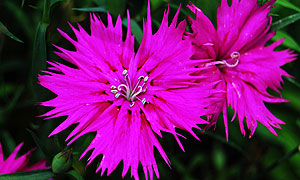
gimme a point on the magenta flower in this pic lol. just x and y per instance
(127, 98)
(240, 59)
(20, 164)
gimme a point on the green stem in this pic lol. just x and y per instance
(278, 162)
(284, 158)
(46, 12)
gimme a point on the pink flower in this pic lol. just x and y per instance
(13, 164)
(127, 98)
(237, 51)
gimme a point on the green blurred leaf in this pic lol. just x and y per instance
(293, 81)
(99, 2)
(197, 159)
(39, 58)
(34, 7)
(92, 9)
(285, 21)
(135, 29)
(155, 4)
(75, 174)
(54, 2)
(11, 65)
(5, 31)
(40, 174)
(229, 143)
(179, 165)
(182, 10)
(20, 18)
(39, 144)
(6, 89)
(9, 142)
(288, 42)
(46, 12)
(115, 7)
(22, 4)
(14, 100)
(218, 157)
(288, 5)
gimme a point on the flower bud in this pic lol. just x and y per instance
(62, 161)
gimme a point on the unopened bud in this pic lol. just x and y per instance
(62, 161)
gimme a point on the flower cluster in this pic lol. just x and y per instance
(128, 98)
(20, 164)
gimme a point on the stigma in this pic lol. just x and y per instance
(231, 62)
(129, 90)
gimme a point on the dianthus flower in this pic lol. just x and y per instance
(237, 52)
(20, 164)
(128, 98)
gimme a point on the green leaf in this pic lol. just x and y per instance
(135, 29)
(293, 81)
(75, 174)
(115, 7)
(46, 12)
(298, 122)
(40, 174)
(39, 59)
(9, 142)
(23, 2)
(99, 2)
(11, 66)
(54, 2)
(288, 42)
(4, 30)
(229, 143)
(39, 144)
(285, 21)
(219, 157)
(20, 18)
(92, 9)
(155, 4)
(182, 10)
(288, 5)
(15, 99)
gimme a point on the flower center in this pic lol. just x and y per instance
(128, 92)
(232, 62)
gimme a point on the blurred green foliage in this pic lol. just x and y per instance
(34, 23)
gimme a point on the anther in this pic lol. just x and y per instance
(132, 104)
(114, 91)
(113, 87)
(144, 101)
(145, 89)
(146, 79)
(117, 95)
(235, 55)
(124, 72)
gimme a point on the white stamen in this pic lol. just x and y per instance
(234, 56)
